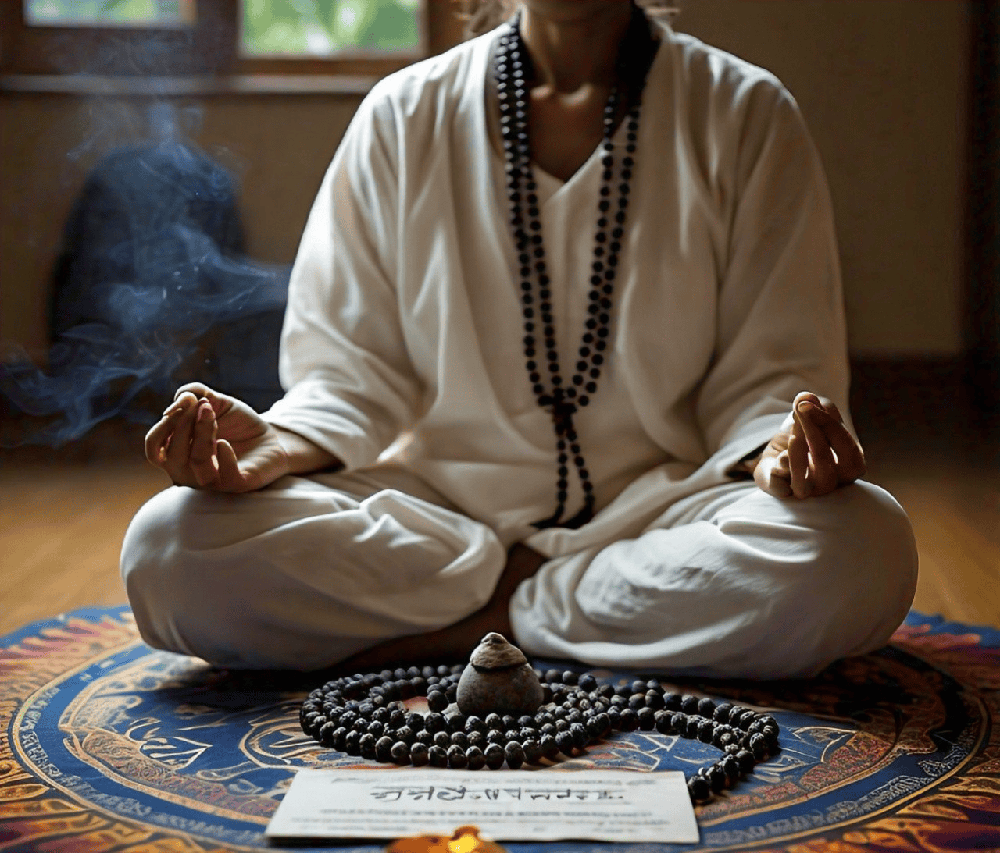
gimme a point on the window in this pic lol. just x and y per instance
(109, 13)
(326, 27)
(209, 37)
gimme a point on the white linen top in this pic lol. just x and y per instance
(404, 315)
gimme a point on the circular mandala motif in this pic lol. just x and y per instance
(103, 736)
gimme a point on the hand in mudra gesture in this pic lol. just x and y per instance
(212, 441)
(813, 453)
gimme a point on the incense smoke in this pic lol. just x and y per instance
(152, 289)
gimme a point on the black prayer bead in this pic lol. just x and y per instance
(494, 756)
(457, 759)
(706, 730)
(367, 746)
(661, 722)
(654, 699)
(419, 754)
(717, 778)
(435, 722)
(326, 733)
(628, 720)
(549, 746)
(722, 711)
(474, 758)
(599, 725)
(400, 753)
(723, 737)
(514, 755)
(699, 788)
(566, 742)
(731, 767)
(351, 743)
(532, 751)
(383, 749)
(647, 718)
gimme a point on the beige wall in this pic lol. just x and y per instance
(881, 82)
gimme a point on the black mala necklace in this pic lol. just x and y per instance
(365, 715)
(563, 400)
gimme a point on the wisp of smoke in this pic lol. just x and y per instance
(152, 289)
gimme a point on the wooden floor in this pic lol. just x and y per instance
(63, 514)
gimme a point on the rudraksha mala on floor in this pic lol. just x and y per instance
(365, 715)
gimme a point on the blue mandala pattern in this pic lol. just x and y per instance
(104, 738)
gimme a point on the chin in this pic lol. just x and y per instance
(573, 10)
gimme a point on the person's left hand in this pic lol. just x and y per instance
(812, 454)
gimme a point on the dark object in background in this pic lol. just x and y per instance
(151, 290)
(154, 247)
(129, 226)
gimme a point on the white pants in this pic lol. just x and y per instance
(726, 582)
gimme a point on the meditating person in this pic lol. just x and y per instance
(565, 359)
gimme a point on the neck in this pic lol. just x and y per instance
(574, 43)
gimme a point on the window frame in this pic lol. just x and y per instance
(210, 47)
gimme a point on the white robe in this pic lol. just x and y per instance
(404, 309)
(402, 356)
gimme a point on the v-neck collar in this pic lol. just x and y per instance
(549, 186)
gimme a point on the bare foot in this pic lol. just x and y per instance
(455, 643)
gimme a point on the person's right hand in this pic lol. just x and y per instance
(209, 440)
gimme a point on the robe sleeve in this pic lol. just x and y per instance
(350, 386)
(780, 322)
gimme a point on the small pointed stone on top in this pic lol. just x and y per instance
(494, 651)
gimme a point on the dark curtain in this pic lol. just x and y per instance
(984, 208)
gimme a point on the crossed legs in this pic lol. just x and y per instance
(368, 573)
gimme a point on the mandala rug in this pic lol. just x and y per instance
(107, 745)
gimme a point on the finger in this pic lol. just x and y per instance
(849, 454)
(159, 434)
(779, 487)
(201, 458)
(231, 479)
(221, 403)
(808, 398)
(798, 463)
(771, 475)
(179, 444)
(195, 389)
(850, 457)
(780, 477)
(822, 463)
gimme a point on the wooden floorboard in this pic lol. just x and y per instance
(63, 515)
